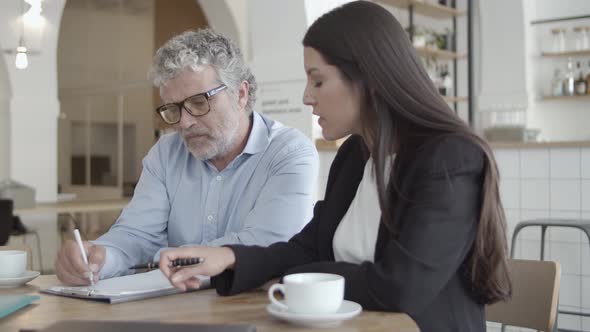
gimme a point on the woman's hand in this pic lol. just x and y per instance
(216, 260)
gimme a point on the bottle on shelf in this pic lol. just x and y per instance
(558, 40)
(582, 41)
(557, 84)
(581, 86)
(569, 81)
(588, 79)
(444, 81)
(448, 82)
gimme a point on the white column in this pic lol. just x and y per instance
(4, 124)
(33, 106)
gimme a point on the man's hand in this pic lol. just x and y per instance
(70, 267)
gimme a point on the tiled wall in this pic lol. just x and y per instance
(542, 183)
(552, 183)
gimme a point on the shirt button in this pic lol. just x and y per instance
(219, 178)
(209, 217)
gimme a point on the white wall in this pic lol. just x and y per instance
(34, 105)
(502, 74)
(222, 16)
(32, 102)
(5, 95)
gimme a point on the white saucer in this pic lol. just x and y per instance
(17, 282)
(347, 310)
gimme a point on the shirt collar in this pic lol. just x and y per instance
(259, 136)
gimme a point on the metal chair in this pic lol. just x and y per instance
(580, 224)
(11, 225)
(5, 220)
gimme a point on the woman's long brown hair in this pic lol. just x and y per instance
(402, 111)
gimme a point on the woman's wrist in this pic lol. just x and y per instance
(231, 258)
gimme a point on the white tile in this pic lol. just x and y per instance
(565, 195)
(586, 195)
(534, 164)
(529, 250)
(564, 234)
(585, 255)
(509, 193)
(493, 326)
(569, 322)
(570, 290)
(508, 163)
(565, 163)
(585, 323)
(567, 254)
(586, 294)
(586, 163)
(512, 217)
(562, 214)
(535, 194)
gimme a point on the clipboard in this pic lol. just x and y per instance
(123, 289)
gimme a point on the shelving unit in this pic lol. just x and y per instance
(434, 10)
(440, 54)
(455, 99)
(565, 54)
(425, 8)
(575, 97)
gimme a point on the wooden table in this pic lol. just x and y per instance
(204, 307)
(76, 206)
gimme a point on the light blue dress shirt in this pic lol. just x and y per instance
(263, 196)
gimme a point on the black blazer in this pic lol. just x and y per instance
(419, 272)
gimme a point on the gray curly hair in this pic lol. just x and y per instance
(195, 49)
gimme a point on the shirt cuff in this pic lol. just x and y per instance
(113, 264)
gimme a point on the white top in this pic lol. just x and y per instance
(355, 238)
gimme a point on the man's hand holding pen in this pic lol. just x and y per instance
(70, 267)
(214, 260)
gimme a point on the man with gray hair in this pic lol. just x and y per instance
(228, 175)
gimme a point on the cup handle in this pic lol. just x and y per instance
(271, 295)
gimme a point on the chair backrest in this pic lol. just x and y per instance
(535, 291)
(22, 247)
(6, 206)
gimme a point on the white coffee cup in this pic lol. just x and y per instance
(13, 263)
(309, 293)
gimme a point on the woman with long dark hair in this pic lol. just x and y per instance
(412, 216)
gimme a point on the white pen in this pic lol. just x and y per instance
(83, 252)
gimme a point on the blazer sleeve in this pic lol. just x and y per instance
(255, 264)
(438, 228)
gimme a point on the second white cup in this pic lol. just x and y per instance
(309, 293)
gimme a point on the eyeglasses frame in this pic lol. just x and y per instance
(207, 94)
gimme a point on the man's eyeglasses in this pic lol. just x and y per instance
(197, 105)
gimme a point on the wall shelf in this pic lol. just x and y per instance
(565, 97)
(431, 8)
(566, 54)
(439, 54)
(455, 99)
(426, 8)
